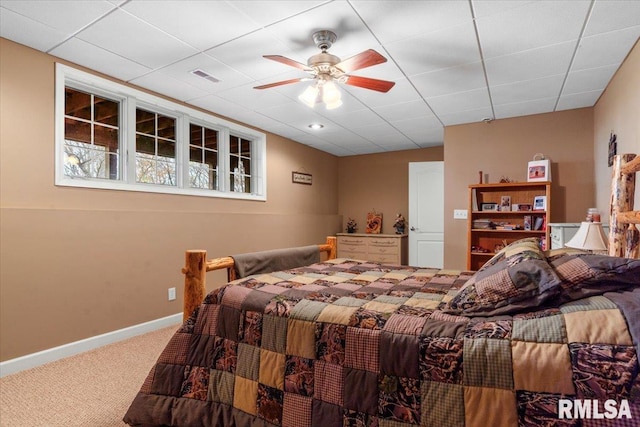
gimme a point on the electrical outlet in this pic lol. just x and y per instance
(172, 294)
(459, 214)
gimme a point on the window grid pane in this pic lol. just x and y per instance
(240, 163)
(203, 156)
(92, 150)
(155, 148)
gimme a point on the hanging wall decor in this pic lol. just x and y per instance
(613, 147)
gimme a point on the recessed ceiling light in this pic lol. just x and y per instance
(316, 126)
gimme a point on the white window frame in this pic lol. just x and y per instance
(130, 99)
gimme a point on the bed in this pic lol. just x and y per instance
(532, 338)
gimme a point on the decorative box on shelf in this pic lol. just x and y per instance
(503, 213)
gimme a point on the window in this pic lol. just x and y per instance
(115, 137)
(92, 137)
(203, 157)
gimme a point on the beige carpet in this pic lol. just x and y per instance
(92, 389)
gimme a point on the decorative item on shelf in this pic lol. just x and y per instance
(500, 246)
(374, 222)
(352, 225)
(505, 180)
(505, 203)
(399, 224)
(593, 215)
(540, 203)
(539, 169)
(520, 207)
(489, 207)
(527, 222)
(479, 177)
(590, 237)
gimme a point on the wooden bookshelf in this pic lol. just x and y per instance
(482, 240)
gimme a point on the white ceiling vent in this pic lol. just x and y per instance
(200, 73)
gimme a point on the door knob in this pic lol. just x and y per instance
(413, 229)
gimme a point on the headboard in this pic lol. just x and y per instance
(624, 236)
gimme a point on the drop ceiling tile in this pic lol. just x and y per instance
(471, 116)
(290, 112)
(96, 58)
(396, 20)
(450, 80)
(160, 82)
(202, 24)
(218, 106)
(436, 50)
(534, 106)
(484, 8)
(578, 100)
(409, 126)
(28, 32)
(266, 13)
(353, 119)
(129, 37)
(77, 14)
(589, 80)
(245, 55)
(426, 136)
(612, 15)
(402, 91)
(253, 99)
(530, 65)
(535, 24)
(605, 49)
(405, 110)
(228, 77)
(546, 87)
(461, 101)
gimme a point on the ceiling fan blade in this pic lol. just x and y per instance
(287, 61)
(362, 60)
(284, 82)
(368, 83)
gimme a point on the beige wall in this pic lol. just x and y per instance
(380, 182)
(617, 111)
(503, 148)
(75, 263)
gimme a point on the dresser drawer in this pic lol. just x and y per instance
(375, 249)
(351, 253)
(383, 242)
(384, 258)
(352, 242)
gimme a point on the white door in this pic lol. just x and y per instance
(426, 214)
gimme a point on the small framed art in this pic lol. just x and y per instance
(489, 207)
(540, 203)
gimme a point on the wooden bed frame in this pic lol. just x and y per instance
(197, 266)
(624, 236)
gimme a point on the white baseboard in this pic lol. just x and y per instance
(50, 355)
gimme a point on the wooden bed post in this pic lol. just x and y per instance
(195, 280)
(333, 242)
(622, 188)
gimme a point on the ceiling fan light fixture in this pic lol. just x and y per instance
(309, 96)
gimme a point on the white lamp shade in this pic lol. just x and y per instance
(310, 95)
(590, 236)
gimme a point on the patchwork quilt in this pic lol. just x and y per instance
(354, 343)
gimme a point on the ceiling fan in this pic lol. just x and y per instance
(325, 69)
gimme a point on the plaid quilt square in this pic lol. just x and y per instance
(207, 320)
(221, 386)
(484, 406)
(176, 350)
(248, 361)
(442, 404)
(362, 349)
(296, 410)
(550, 329)
(329, 382)
(487, 363)
(274, 333)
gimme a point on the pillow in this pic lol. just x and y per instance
(516, 278)
(584, 274)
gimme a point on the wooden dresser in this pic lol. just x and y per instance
(386, 248)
